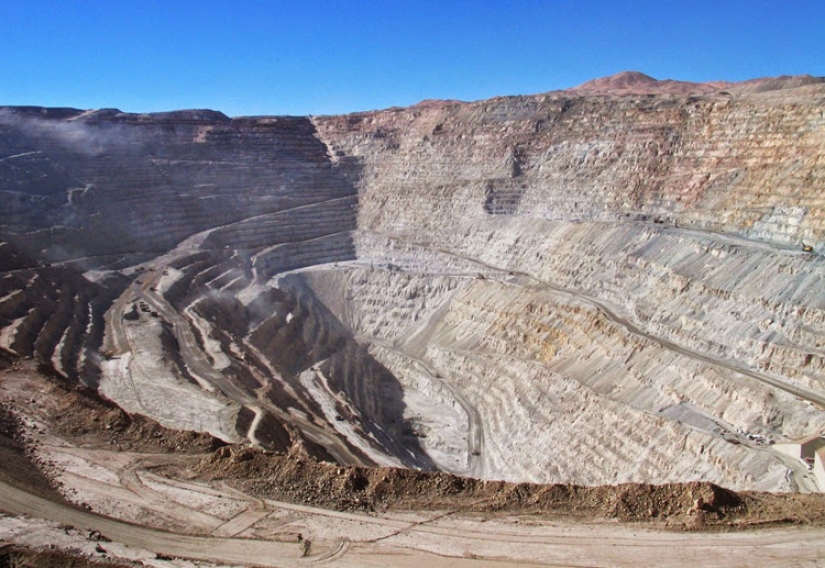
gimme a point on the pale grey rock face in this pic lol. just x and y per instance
(572, 287)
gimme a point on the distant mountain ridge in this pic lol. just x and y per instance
(636, 82)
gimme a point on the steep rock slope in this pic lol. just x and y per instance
(136, 251)
(583, 286)
(634, 286)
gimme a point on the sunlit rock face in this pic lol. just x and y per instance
(616, 283)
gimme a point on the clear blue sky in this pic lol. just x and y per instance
(312, 57)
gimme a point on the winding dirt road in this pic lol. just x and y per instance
(611, 313)
(475, 438)
(213, 549)
(117, 344)
(447, 540)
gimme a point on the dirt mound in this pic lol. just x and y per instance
(299, 479)
(24, 557)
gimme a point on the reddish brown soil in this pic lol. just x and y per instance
(298, 479)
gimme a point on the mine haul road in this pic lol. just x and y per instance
(475, 437)
(117, 344)
(458, 542)
(198, 365)
(612, 315)
(221, 550)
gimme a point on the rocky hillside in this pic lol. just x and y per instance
(618, 283)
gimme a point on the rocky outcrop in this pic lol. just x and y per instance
(617, 283)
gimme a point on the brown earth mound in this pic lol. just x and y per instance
(299, 479)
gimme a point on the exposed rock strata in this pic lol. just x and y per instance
(572, 287)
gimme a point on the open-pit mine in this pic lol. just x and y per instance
(605, 303)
